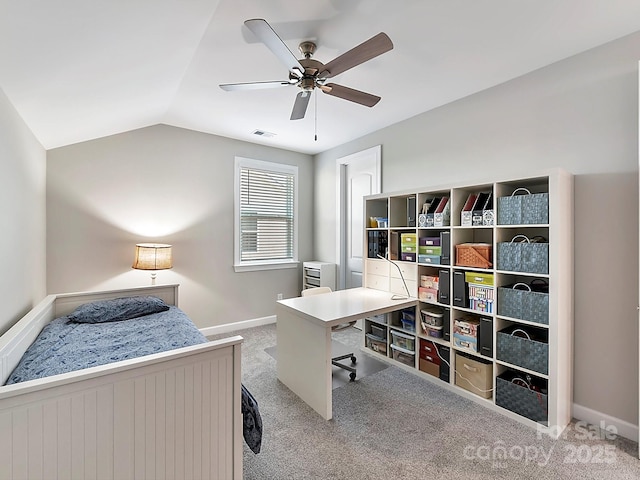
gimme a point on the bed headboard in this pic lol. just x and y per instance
(17, 339)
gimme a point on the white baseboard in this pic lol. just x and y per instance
(232, 327)
(623, 428)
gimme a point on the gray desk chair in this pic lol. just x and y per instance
(335, 360)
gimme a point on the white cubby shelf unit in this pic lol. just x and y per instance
(521, 366)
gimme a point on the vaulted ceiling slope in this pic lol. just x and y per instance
(76, 70)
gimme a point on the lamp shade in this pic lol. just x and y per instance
(152, 256)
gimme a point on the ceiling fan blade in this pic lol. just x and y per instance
(270, 38)
(350, 94)
(367, 50)
(253, 85)
(300, 105)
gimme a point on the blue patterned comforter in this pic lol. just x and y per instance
(65, 346)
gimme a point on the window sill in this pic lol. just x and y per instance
(253, 267)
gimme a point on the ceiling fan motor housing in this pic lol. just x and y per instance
(311, 69)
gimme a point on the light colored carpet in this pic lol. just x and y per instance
(395, 425)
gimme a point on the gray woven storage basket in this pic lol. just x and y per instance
(535, 209)
(523, 304)
(522, 256)
(523, 352)
(532, 208)
(522, 400)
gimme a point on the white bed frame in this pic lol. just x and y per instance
(174, 414)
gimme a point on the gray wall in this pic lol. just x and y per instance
(580, 114)
(168, 185)
(22, 217)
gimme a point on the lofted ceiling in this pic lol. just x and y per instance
(76, 70)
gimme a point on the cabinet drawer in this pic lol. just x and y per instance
(378, 282)
(410, 271)
(312, 272)
(396, 286)
(313, 282)
(378, 267)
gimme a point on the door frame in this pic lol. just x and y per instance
(375, 154)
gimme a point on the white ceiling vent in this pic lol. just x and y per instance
(263, 133)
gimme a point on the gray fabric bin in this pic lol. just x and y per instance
(523, 352)
(522, 256)
(529, 209)
(522, 400)
(523, 304)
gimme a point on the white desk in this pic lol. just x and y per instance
(304, 338)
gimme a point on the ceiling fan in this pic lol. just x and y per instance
(308, 73)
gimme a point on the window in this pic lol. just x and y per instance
(265, 215)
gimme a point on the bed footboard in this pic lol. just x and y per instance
(175, 414)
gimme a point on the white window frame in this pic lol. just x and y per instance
(253, 265)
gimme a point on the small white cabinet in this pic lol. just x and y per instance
(318, 274)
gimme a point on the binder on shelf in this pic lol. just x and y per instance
(446, 326)
(442, 215)
(443, 287)
(377, 243)
(444, 352)
(460, 293)
(466, 216)
(394, 246)
(485, 337)
(445, 245)
(411, 212)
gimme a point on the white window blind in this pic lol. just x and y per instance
(266, 221)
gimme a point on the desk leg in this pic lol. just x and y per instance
(304, 360)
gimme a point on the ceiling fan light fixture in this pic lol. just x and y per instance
(307, 83)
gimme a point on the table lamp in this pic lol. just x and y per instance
(154, 257)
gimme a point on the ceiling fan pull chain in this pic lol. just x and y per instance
(315, 136)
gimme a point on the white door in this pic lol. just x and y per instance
(359, 176)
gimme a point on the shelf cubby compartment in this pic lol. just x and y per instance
(473, 247)
(404, 319)
(434, 359)
(523, 299)
(523, 393)
(473, 333)
(377, 210)
(473, 374)
(523, 250)
(403, 211)
(434, 322)
(434, 209)
(522, 346)
(434, 246)
(473, 207)
(376, 334)
(523, 202)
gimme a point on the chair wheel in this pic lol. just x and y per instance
(352, 376)
(353, 359)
